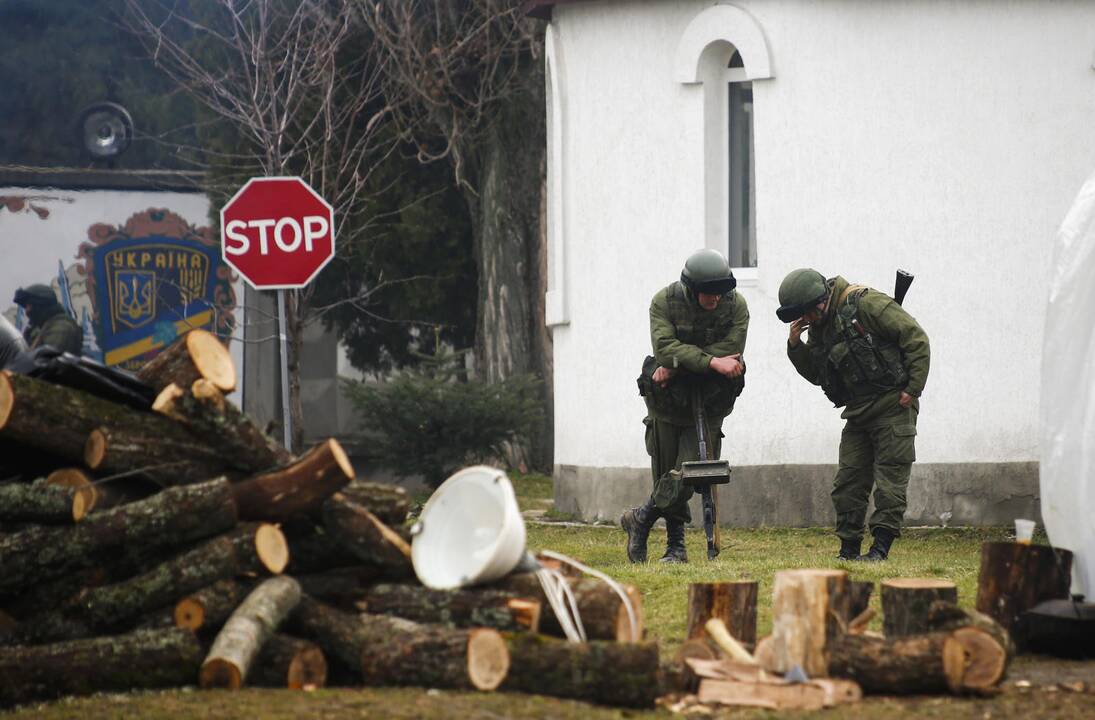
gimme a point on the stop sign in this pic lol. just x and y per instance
(277, 232)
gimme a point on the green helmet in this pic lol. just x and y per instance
(38, 294)
(799, 292)
(706, 271)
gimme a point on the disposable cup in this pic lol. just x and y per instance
(1024, 530)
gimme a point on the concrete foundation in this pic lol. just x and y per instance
(798, 495)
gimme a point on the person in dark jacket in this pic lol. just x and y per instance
(49, 323)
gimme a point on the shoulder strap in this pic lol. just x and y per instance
(848, 291)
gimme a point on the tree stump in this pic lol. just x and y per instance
(289, 662)
(603, 613)
(298, 488)
(735, 603)
(476, 607)
(906, 603)
(197, 354)
(809, 610)
(609, 673)
(246, 631)
(1014, 578)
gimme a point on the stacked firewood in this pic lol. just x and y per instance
(178, 544)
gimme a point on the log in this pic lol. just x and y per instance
(342, 587)
(453, 608)
(164, 456)
(211, 606)
(603, 613)
(55, 593)
(948, 616)
(141, 659)
(735, 603)
(809, 610)
(297, 489)
(341, 635)
(171, 518)
(1015, 577)
(906, 602)
(208, 415)
(289, 662)
(363, 534)
(40, 502)
(390, 503)
(197, 354)
(608, 673)
(102, 494)
(246, 631)
(314, 550)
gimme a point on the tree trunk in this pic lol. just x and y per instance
(480, 607)
(169, 519)
(390, 503)
(40, 502)
(164, 453)
(906, 602)
(604, 615)
(102, 494)
(206, 414)
(609, 673)
(208, 608)
(735, 603)
(289, 662)
(809, 610)
(246, 631)
(354, 527)
(341, 635)
(433, 656)
(142, 659)
(197, 354)
(1014, 578)
(296, 489)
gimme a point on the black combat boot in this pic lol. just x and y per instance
(849, 549)
(637, 523)
(880, 548)
(675, 551)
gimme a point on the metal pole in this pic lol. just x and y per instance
(286, 416)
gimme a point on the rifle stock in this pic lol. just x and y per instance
(901, 285)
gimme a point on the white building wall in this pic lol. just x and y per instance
(944, 138)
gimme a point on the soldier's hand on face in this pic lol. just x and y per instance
(797, 328)
(662, 376)
(730, 366)
(905, 400)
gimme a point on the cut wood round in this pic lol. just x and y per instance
(604, 615)
(197, 354)
(79, 482)
(165, 456)
(365, 535)
(809, 610)
(246, 631)
(101, 494)
(297, 489)
(948, 616)
(474, 607)
(141, 659)
(906, 602)
(973, 661)
(207, 414)
(289, 662)
(40, 502)
(1014, 578)
(170, 518)
(893, 666)
(212, 605)
(609, 673)
(735, 603)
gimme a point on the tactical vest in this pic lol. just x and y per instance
(852, 364)
(700, 328)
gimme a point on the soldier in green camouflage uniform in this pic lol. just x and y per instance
(871, 358)
(697, 329)
(49, 323)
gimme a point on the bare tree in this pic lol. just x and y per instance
(466, 83)
(299, 83)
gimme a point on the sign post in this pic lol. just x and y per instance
(278, 233)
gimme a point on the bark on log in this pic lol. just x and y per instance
(315, 550)
(906, 602)
(604, 615)
(142, 659)
(55, 593)
(246, 631)
(341, 587)
(390, 503)
(102, 494)
(859, 597)
(209, 607)
(809, 610)
(453, 608)
(171, 518)
(297, 489)
(165, 454)
(289, 662)
(609, 673)
(947, 616)
(341, 635)
(208, 415)
(41, 502)
(197, 354)
(1014, 578)
(365, 535)
(735, 603)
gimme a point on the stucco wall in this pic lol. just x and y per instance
(944, 138)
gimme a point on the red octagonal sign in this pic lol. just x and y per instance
(277, 232)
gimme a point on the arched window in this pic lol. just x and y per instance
(724, 49)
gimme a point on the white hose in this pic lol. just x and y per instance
(556, 588)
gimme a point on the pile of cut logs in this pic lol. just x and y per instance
(178, 544)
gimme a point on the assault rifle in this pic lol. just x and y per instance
(901, 285)
(702, 474)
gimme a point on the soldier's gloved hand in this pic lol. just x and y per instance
(662, 376)
(905, 400)
(797, 328)
(730, 366)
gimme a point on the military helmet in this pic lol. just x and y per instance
(38, 294)
(800, 292)
(706, 271)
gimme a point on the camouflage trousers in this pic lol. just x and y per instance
(670, 445)
(878, 453)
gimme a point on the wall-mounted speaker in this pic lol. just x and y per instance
(105, 130)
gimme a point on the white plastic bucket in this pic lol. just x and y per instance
(470, 531)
